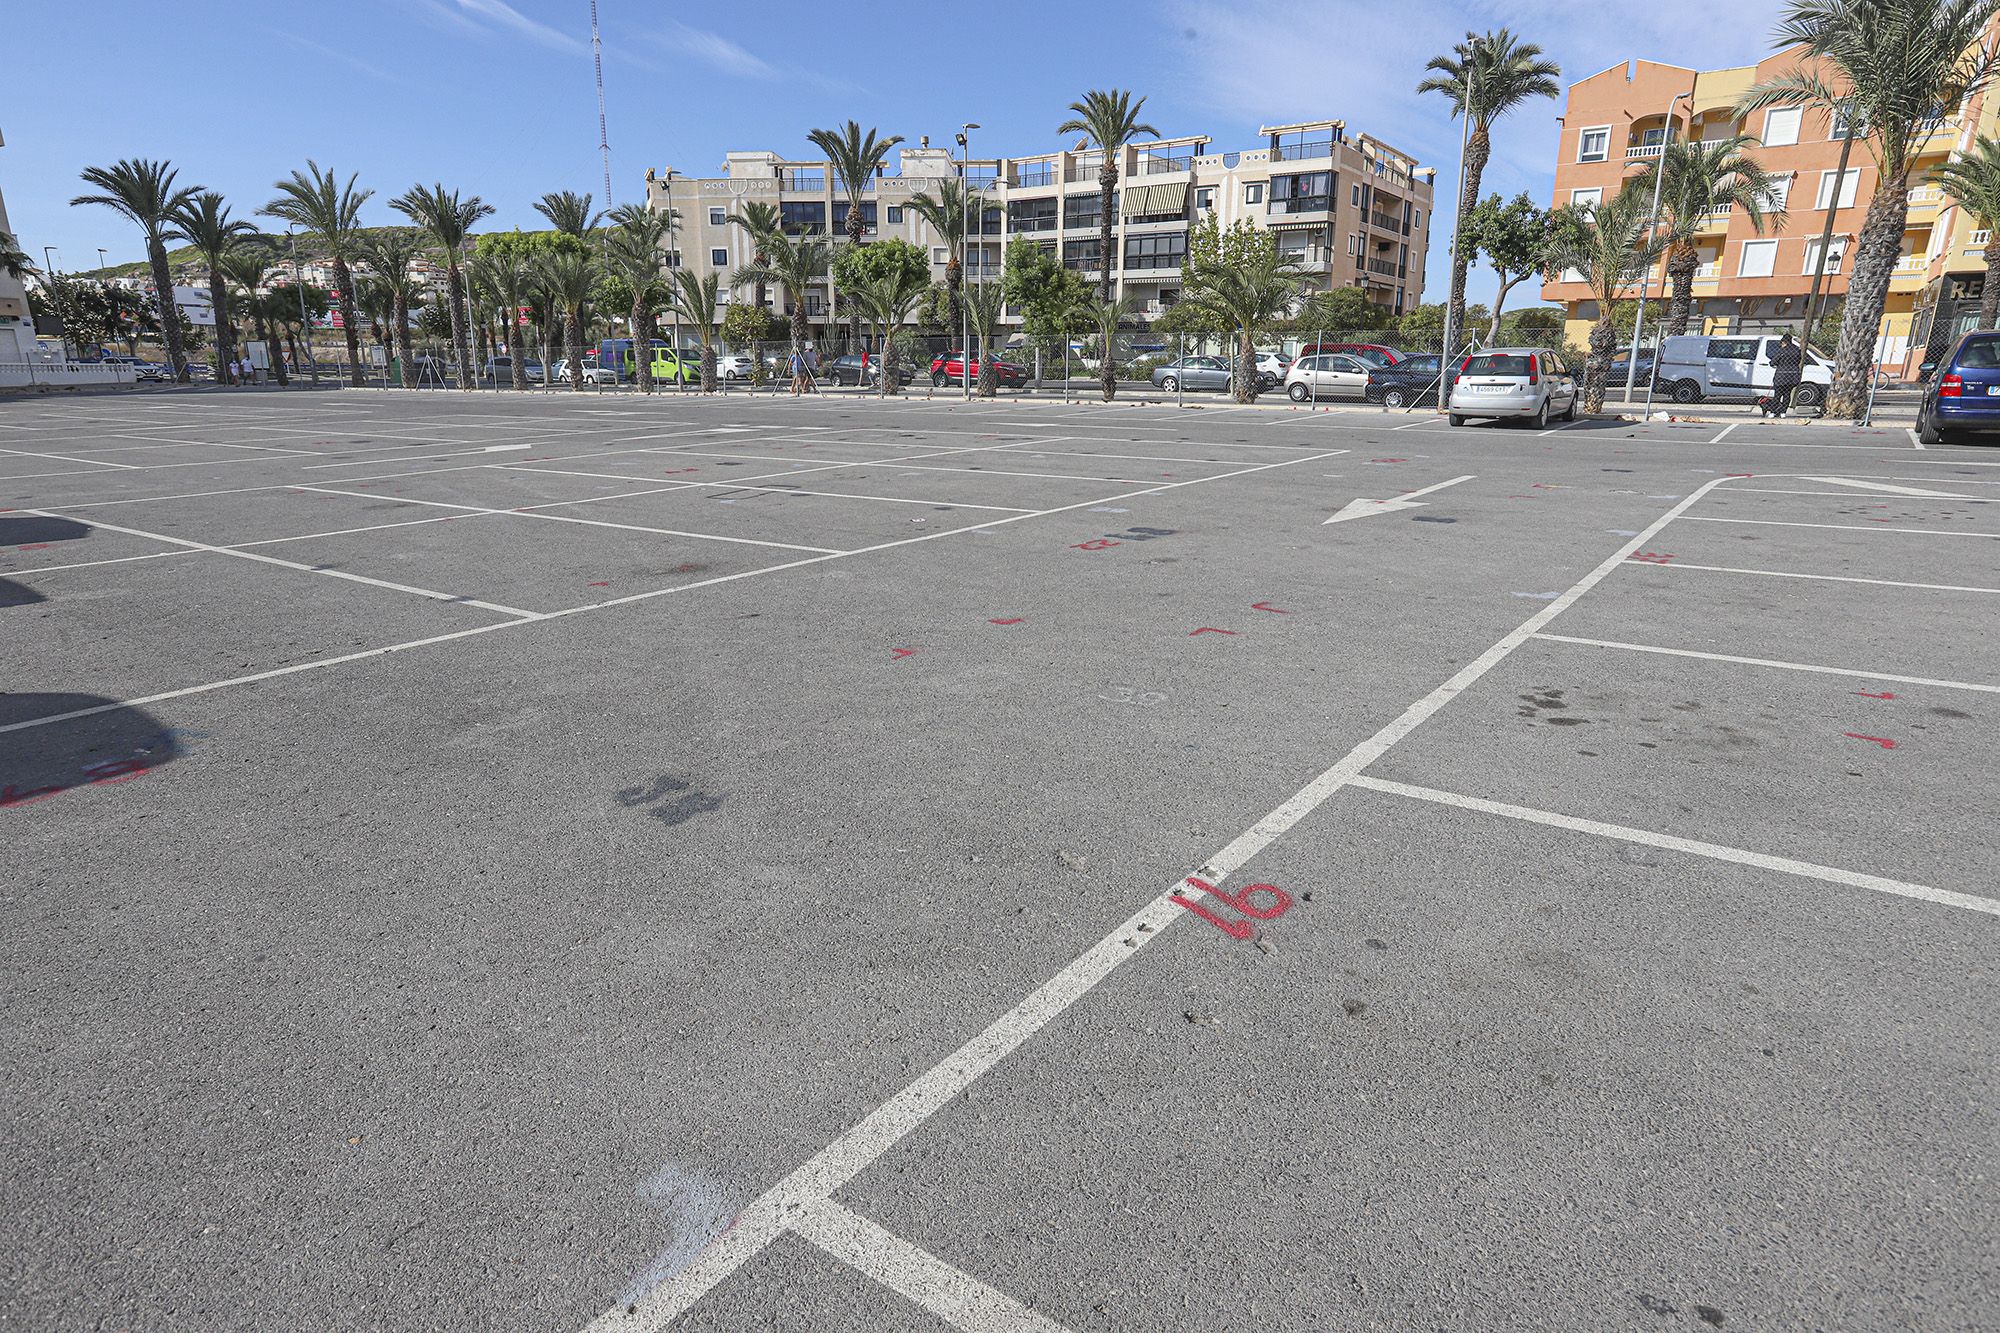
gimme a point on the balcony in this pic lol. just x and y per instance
(1160, 166)
(1032, 224)
(1912, 264)
(1709, 272)
(1302, 152)
(1925, 194)
(1305, 203)
(1715, 219)
(1029, 177)
(802, 180)
(1385, 267)
(1637, 151)
(1082, 173)
(1385, 221)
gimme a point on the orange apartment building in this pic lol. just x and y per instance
(1616, 121)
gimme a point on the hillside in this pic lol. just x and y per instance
(310, 249)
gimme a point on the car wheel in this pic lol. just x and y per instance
(1809, 395)
(1394, 398)
(1540, 421)
(1569, 413)
(1687, 391)
(1299, 393)
(1170, 384)
(1456, 419)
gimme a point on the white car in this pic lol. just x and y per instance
(1695, 366)
(592, 372)
(1326, 375)
(1521, 382)
(1273, 364)
(733, 367)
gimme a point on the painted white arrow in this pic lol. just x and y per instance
(1886, 487)
(1363, 508)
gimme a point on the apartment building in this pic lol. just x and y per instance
(1352, 210)
(17, 326)
(1617, 120)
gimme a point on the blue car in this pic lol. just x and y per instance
(1963, 393)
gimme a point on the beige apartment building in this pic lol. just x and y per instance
(1352, 210)
(1617, 120)
(17, 326)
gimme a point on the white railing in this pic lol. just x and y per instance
(62, 374)
(1912, 264)
(1708, 271)
(1926, 194)
(1644, 150)
(1719, 213)
(1980, 237)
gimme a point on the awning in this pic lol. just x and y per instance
(1321, 226)
(1153, 200)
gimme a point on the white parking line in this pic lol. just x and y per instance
(1723, 434)
(1830, 578)
(70, 458)
(1832, 875)
(1770, 662)
(1843, 527)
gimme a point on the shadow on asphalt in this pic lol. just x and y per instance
(103, 749)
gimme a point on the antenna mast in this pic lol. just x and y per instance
(603, 135)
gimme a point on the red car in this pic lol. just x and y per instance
(950, 369)
(1373, 353)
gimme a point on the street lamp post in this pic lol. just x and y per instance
(48, 259)
(100, 258)
(1458, 222)
(1652, 221)
(965, 253)
(299, 281)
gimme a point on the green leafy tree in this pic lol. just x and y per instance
(1513, 238)
(14, 260)
(745, 326)
(857, 158)
(1052, 299)
(1902, 67)
(1973, 181)
(569, 213)
(204, 222)
(449, 220)
(80, 305)
(316, 201)
(946, 212)
(144, 192)
(1484, 77)
(1612, 248)
(1697, 177)
(1110, 119)
(635, 252)
(392, 253)
(1342, 310)
(792, 263)
(248, 268)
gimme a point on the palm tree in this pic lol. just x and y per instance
(760, 221)
(1105, 317)
(204, 223)
(144, 192)
(946, 215)
(697, 300)
(1907, 66)
(317, 202)
(888, 299)
(569, 212)
(1485, 78)
(567, 278)
(392, 253)
(1698, 177)
(793, 263)
(506, 276)
(984, 302)
(14, 261)
(1246, 296)
(1611, 245)
(249, 267)
(636, 251)
(1111, 120)
(449, 220)
(856, 159)
(1973, 180)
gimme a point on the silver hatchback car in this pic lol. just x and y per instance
(1522, 382)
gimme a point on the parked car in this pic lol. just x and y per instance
(1695, 366)
(1274, 364)
(1519, 382)
(1327, 375)
(1193, 372)
(150, 372)
(1962, 391)
(1375, 354)
(1414, 379)
(856, 368)
(500, 369)
(1621, 366)
(733, 367)
(592, 372)
(949, 368)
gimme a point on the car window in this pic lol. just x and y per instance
(1426, 364)
(1500, 363)
(1979, 354)
(1732, 349)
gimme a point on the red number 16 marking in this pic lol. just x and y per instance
(1242, 900)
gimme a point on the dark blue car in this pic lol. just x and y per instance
(1963, 394)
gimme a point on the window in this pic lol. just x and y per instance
(718, 259)
(1781, 126)
(1593, 144)
(1848, 180)
(895, 214)
(1353, 243)
(1654, 137)
(1161, 251)
(798, 217)
(1591, 197)
(1083, 210)
(1204, 197)
(1080, 254)
(717, 218)
(1837, 125)
(1308, 192)
(1834, 254)
(1732, 349)
(867, 215)
(989, 221)
(1779, 195)
(940, 254)
(1032, 214)
(1758, 259)
(1354, 194)
(1253, 193)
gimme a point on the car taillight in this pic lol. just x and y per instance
(1534, 370)
(1951, 386)
(1369, 378)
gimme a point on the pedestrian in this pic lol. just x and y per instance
(797, 366)
(1787, 365)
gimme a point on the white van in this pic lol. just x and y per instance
(1695, 366)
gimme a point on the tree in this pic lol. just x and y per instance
(1485, 77)
(946, 214)
(1973, 180)
(1110, 119)
(449, 220)
(14, 261)
(1104, 319)
(80, 305)
(759, 221)
(1696, 177)
(793, 263)
(857, 159)
(315, 201)
(294, 309)
(1907, 65)
(1246, 296)
(697, 300)
(204, 223)
(888, 293)
(1342, 310)
(1513, 237)
(569, 212)
(392, 253)
(566, 278)
(144, 192)
(984, 302)
(249, 268)
(1612, 245)
(1050, 297)
(507, 277)
(636, 252)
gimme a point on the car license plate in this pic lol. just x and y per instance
(1489, 388)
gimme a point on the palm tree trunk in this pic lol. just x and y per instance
(707, 362)
(517, 349)
(1989, 300)
(1107, 187)
(170, 323)
(461, 337)
(576, 348)
(225, 334)
(854, 231)
(406, 355)
(641, 321)
(1597, 366)
(954, 280)
(1246, 369)
(1478, 148)
(1680, 274)
(1867, 292)
(344, 280)
(798, 301)
(989, 383)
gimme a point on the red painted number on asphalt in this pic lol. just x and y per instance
(1098, 545)
(902, 652)
(1266, 606)
(1884, 742)
(1653, 557)
(1206, 630)
(1016, 621)
(1244, 901)
(1888, 694)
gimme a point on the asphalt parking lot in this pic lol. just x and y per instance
(598, 863)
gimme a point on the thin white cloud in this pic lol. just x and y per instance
(328, 53)
(490, 16)
(716, 51)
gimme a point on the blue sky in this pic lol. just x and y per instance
(495, 97)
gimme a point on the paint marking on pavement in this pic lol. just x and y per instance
(1407, 500)
(1843, 527)
(1830, 578)
(1769, 662)
(1885, 486)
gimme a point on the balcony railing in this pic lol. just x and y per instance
(1074, 174)
(1926, 194)
(1912, 264)
(1302, 152)
(1030, 176)
(1306, 203)
(1032, 224)
(802, 180)
(1708, 272)
(1639, 150)
(1383, 266)
(1385, 221)
(1159, 166)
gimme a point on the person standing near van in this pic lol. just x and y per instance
(1787, 366)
